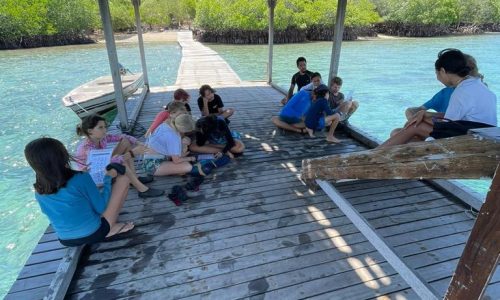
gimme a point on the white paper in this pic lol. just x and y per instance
(97, 161)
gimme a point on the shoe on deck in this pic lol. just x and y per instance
(146, 179)
(151, 193)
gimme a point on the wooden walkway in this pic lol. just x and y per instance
(256, 231)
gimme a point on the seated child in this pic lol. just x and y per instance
(211, 103)
(291, 116)
(180, 96)
(93, 128)
(79, 213)
(214, 136)
(337, 102)
(316, 112)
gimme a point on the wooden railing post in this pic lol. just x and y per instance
(482, 251)
(271, 4)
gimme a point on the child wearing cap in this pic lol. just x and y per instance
(315, 119)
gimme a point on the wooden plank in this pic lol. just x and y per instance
(482, 252)
(62, 279)
(31, 294)
(309, 257)
(414, 280)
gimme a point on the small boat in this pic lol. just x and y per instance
(98, 96)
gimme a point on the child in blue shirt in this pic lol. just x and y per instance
(315, 116)
(79, 213)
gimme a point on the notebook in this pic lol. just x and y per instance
(97, 160)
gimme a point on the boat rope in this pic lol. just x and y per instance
(77, 104)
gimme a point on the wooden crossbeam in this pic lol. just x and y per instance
(462, 157)
(482, 251)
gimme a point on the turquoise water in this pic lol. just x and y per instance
(386, 76)
(32, 84)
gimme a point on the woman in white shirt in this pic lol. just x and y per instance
(472, 104)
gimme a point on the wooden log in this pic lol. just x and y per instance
(462, 157)
(482, 251)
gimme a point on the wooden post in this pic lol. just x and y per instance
(482, 251)
(461, 157)
(113, 62)
(337, 39)
(138, 24)
(271, 4)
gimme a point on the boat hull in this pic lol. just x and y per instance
(98, 96)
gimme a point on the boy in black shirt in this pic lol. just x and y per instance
(301, 78)
(211, 103)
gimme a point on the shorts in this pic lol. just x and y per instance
(150, 165)
(98, 236)
(222, 140)
(290, 120)
(445, 129)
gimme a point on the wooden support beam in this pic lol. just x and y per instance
(418, 284)
(482, 251)
(337, 39)
(113, 62)
(64, 274)
(270, 41)
(136, 4)
(462, 157)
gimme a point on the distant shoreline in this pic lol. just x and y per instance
(257, 37)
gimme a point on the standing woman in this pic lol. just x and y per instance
(472, 104)
(78, 212)
(93, 127)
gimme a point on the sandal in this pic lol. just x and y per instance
(125, 227)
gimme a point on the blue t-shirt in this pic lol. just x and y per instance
(440, 101)
(298, 105)
(75, 210)
(316, 112)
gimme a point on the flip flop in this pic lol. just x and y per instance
(120, 169)
(126, 227)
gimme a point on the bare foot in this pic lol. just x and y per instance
(310, 131)
(120, 228)
(332, 139)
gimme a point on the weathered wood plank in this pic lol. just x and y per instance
(421, 287)
(462, 157)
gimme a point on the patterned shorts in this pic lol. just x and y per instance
(150, 165)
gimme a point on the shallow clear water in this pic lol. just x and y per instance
(387, 76)
(32, 83)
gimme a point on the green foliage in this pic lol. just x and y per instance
(253, 14)
(25, 18)
(122, 14)
(479, 11)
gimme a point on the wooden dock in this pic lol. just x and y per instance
(256, 231)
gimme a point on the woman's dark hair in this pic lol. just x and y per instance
(453, 61)
(315, 74)
(204, 88)
(51, 162)
(88, 123)
(300, 59)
